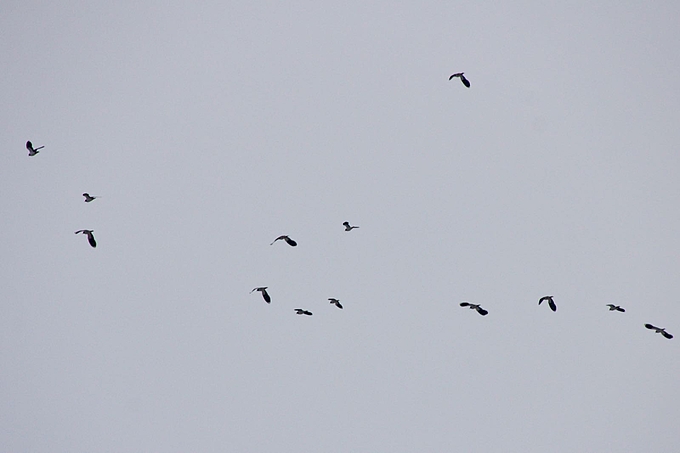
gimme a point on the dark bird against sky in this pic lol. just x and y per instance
(335, 302)
(550, 300)
(265, 294)
(479, 309)
(89, 197)
(290, 242)
(300, 311)
(31, 150)
(465, 81)
(90, 236)
(613, 307)
(349, 227)
(660, 330)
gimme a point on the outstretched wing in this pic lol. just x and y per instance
(649, 326)
(265, 296)
(465, 81)
(666, 334)
(465, 304)
(622, 310)
(481, 311)
(90, 239)
(290, 242)
(553, 307)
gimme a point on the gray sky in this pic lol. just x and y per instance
(210, 129)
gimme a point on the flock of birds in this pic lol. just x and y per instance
(300, 311)
(32, 151)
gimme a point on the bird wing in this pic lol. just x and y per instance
(622, 310)
(338, 304)
(465, 81)
(90, 239)
(553, 307)
(481, 311)
(290, 242)
(666, 334)
(649, 326)
(29, 145)
(458, 74)
(79, 231)
(465, 304)
(265, 296)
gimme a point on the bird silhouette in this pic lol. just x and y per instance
(89, 197)
(465, 81)
(300, 311)
(335, 302)
(550, 300)
(31, 150)
(288, 240)
(265, 294)
(90, 236)
(613, 307)
(348, 227)
(479, 309)
(660, 330)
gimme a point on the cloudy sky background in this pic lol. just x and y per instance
(210, 129)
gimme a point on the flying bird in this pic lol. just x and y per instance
(465, 81)
(88, 197)
(479, 309)
(613, 307)
(550, 300)
(300, 311)
(31, 150)
(348, 227)
(90, 236)
(265, 294)
(659, 330)
(290, 242)
(335, 302)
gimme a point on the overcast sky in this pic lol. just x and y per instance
(210, 129)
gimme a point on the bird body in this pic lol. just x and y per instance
(550, 301)
(31, 150)
(613, 307)
(300, 311)
(465, 81)
(288, 240)
(88, 197)
(660, 330)
(349, 227)
(335, 302)
(479, 309)
(90, 236)
(265, 294)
